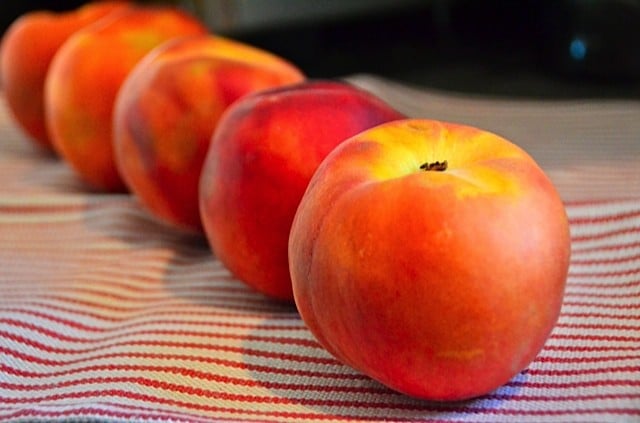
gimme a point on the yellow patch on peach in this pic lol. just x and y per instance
(469, 156)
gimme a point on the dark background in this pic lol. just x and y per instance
(528, 48)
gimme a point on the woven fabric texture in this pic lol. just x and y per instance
(105, 314)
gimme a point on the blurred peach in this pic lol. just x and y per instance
(28, 46)
(85, 76)
(168, 109)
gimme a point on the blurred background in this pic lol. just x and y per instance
(526, 48)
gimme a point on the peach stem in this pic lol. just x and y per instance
(437, 166)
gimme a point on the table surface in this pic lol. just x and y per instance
(105, 314)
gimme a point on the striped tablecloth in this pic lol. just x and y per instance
(107, 315)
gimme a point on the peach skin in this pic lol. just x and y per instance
(85, 76)
(28, 46)
(261, 158)
(430, 256)
(168, 109)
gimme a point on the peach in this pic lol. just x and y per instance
(28, 46)
(168, 108)
(262, 155)
(430, 256)
(85, 76)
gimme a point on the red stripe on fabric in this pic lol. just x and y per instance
(582, 359)
(203, 295)
(190, 391)
(578, 250)
(414, 406)
(559, 398)
(190, 416)
(186, 291)
(605, 274)
(309, 343)
(591, 348)
(127, 395)
(592, 294)
(591, 337)
(92, 328)
(606, 261)
(605, 234)
(170, 301)
(153, 310)
(191, 295)
(585, 371)
(171, 344)
(576, 384)
(57, 319)
(586, 203)
(113, 413)
(593, 315)
(243, 365)
(606, 218)
(599, 326)
(592, 305)
(190, 373)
